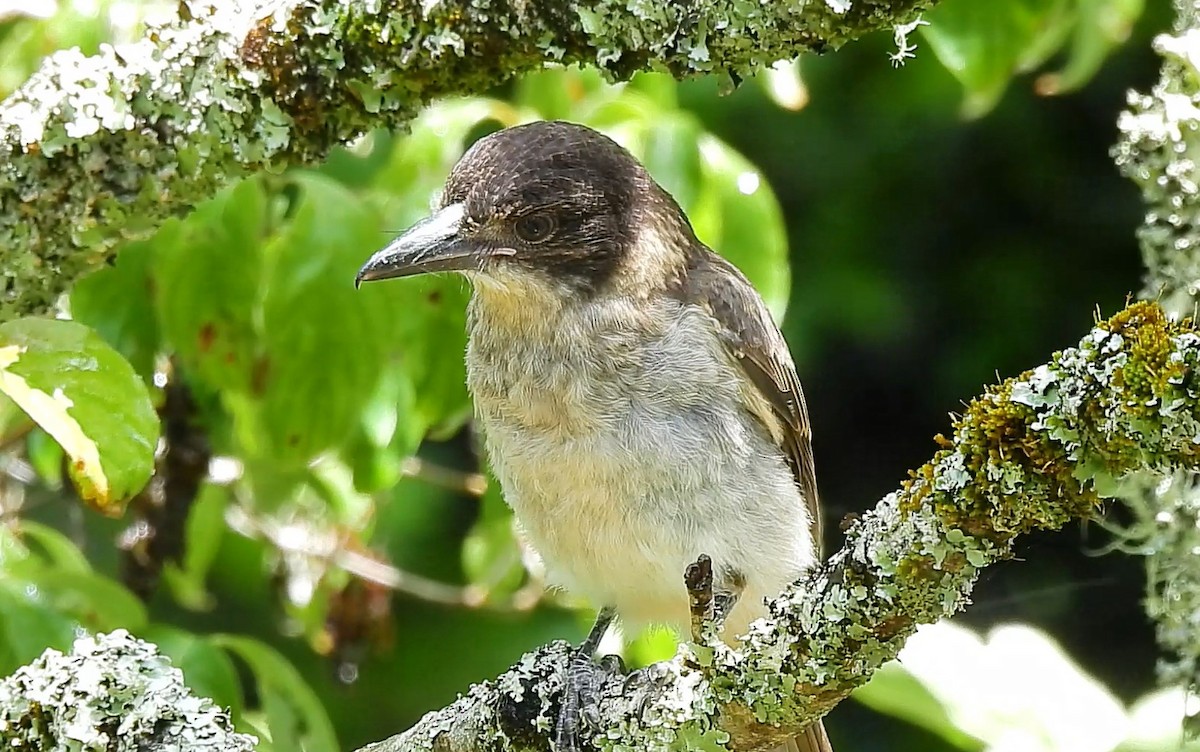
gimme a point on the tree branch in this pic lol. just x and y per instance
(105, 148)
(1032, 453)
(112, 693)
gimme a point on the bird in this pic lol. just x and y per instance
(638, 404)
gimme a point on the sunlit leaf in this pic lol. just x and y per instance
(652, 645)
(86, 396)
(670, 151)
(1014, 684)
(376, 451)
(784, 84)
(562, 93)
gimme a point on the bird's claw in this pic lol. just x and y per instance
(579, 718)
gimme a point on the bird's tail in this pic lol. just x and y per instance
(812, 739)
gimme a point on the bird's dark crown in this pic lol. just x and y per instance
(569, 201)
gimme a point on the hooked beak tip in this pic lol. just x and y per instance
(431, 245)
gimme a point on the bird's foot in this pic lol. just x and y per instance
(585, 680)
(711, 596)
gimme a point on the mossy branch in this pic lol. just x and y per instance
(1034, 452)
(101, 149)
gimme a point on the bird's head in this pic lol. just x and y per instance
(548, 206)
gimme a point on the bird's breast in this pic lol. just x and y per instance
(617, 433)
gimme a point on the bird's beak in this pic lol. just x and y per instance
(431, 245)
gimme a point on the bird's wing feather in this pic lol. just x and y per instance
(754, 341)
(812, 739)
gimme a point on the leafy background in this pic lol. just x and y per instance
(923, 227)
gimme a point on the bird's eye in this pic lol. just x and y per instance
(534, 228)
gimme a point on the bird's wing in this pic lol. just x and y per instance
(812, 739)
(751, 337)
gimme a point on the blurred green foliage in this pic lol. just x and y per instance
(348, 548)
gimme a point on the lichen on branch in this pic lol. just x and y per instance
(112, 693)
(1160, 136)
(104, 148)
(1033, 452)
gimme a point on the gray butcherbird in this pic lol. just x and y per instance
(640, 407)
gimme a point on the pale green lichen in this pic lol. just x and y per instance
(101, 149)
(112, 693)
(1111, 405)
(1166, 530)
(1160, 136)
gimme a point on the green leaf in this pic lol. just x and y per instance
(429, 328)
(654, 644)
(384, 436)
(58, 551)
(418, 166)
(85, 395)
(46, 456)
(561, 93)
(894, 691)
(117, 302)
(203, 533)
(491, 553)
(28, 628)
(98, 603)
(207, 669)
(984, 44)
(323, 340)
(671, 154)
(738, 216)
(355, 166)
(1100, 25)
(659, 88)
(296, 717)
(208, 273)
